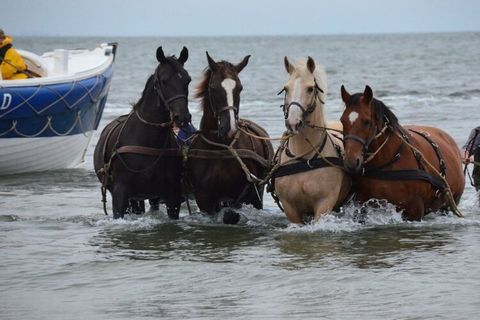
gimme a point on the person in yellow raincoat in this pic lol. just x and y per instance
(12, 65)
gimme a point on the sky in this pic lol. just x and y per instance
(237, 18)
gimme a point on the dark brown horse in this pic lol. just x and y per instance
(402, 164)
(137, 156)
(216, 175)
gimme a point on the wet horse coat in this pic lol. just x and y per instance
(317, 191)
(384, 166)
(137, 156)
(217, 177)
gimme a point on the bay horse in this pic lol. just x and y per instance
(218, 177)
(410, 166)
(310, 180)
(137, 156)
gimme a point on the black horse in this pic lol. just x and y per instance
(137, 156)
(215, 174)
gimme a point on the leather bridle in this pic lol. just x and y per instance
(157, 86)
(218, 113)
(305, 111)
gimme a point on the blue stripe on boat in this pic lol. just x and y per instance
(68, 108)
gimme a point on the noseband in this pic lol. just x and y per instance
(218, 113)
(305, 111)
(372, 136)
(157, 85)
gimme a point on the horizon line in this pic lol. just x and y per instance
(246, 35)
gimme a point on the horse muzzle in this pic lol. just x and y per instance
(182, 121)
(294, 126)
(353, 166)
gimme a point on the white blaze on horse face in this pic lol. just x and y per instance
(228, 84)
(294, 112)
(353, 116)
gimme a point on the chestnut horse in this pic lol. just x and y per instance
(217, 177)
(409, 166)
(310, 180)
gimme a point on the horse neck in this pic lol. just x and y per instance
(388, 148)
(298, 144)
(208, 123)
(151, 108)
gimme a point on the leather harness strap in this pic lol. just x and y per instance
(413, 174)
(226, 154)
(148, 151)
(304, 166)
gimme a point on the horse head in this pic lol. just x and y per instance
(304, 91)
(224, 87)
(171, 82)
(364, 120)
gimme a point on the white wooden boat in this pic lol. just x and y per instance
(47, 122)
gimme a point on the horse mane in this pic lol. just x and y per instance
(201, 89)
(144, 93)
(381, 111)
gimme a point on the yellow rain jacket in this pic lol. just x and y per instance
(12, 63)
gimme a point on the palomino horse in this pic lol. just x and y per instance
(137, 156)
(310, 180)
(406, 165)
(228, 157)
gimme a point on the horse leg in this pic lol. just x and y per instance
(414, 210)
(173, 211)
(323, 207)
(137, 206)
(119, 201)
(257, 198)
(154, 204)
(292, 214)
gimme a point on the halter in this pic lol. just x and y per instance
(157, 86)
(373, 135)
(305, 111)
(214, 111)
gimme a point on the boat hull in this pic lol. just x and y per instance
(48, 125)
(21, 155)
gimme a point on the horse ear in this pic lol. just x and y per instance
(211, 63)
(345, 95)
(368, 94)
(160, 55)
(183, 56)
(242, 64)
(310, 64)
(288, 66)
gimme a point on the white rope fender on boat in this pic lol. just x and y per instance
(49, 120)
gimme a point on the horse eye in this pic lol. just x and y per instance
(366, 122)
(310, 89)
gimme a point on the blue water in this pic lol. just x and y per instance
(61, 258)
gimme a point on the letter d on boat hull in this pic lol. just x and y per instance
(7, 100)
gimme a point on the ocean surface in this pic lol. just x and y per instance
(62, 258)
